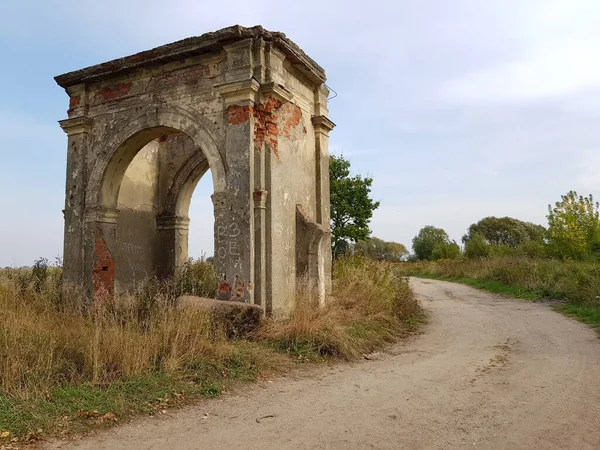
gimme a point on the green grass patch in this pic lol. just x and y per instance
(588, 314)
(79, 408)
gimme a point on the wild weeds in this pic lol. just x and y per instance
(47, 339)
(371, 305)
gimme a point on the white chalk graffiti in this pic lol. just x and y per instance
(228, 245)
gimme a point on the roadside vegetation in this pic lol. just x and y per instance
(522, 259)
(65, 367)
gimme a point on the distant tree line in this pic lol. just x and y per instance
(573, 232)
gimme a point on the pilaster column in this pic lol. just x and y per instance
(260, 243)
(172, 245)
(78, 130)
(322, 126)
(234, 212)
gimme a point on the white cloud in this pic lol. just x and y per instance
(560, 59)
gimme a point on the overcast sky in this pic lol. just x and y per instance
(458, 109)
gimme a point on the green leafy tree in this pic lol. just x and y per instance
(424, 242)
(574, 227)
(445, 250)
(477, 247)
(505, 231)
(351, 206)
(380, 250)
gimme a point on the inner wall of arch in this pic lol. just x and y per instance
(144, 249)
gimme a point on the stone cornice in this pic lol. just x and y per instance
(102, 214)
(205, 43)
(276, 91)
(172, 223)
(239, 91)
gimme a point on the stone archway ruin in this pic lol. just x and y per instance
(245, 103)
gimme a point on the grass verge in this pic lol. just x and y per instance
(372, 305)
(589, 314)
(65, 368)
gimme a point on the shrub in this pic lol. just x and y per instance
(425, 241)
(446, 250)
(198, 277)
(477, 247)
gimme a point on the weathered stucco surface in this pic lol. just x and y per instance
(245, 103)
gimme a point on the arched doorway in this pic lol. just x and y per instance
(202, 222)
(152, 227)
(143, 197)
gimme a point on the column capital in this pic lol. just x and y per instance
(102, 214)
(277, 91)
(322, 124)
(239, 92)
(76, 125)
(172, 223)
(260, 198)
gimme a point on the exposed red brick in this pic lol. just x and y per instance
(239, 288)
(265, 125)
(74, 101)
(103, 273)
(238, 114)
(292, 115)
(224, 287)
(258, 195)
(116, 91)
(271, 119)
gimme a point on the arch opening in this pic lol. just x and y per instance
(149, 184)
(199, 204)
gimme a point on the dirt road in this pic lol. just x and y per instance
(487, 373)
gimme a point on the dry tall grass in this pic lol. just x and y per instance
(59, 356)
(47, 339)
(371, 305)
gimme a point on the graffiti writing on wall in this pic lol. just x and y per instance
(228, 244)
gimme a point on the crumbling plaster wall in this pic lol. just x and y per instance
(135, 252)
(253, 106)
